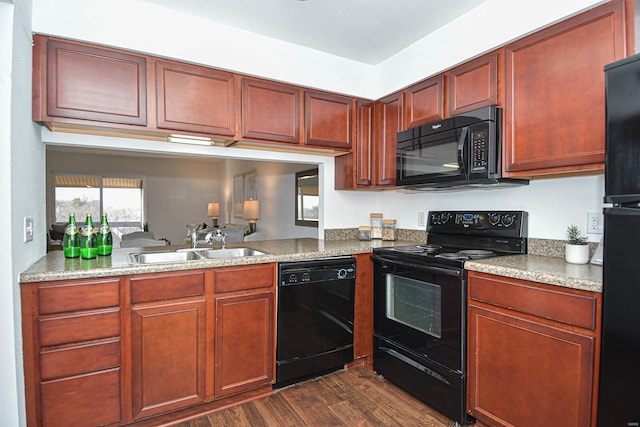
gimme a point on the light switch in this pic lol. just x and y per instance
(28, 229)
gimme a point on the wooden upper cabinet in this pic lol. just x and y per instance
(196, 99)
(270, 111)
(328, 119)
(425, 102)
(389, 120)
(91, 83)
(473, 84)
(555, 95)
(364, 152)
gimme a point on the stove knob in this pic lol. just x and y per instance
(342, 273)
(494, 218)
(507, 220)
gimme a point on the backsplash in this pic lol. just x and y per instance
(419, 236)
(544, 247)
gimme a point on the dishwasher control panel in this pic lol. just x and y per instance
(326, 270)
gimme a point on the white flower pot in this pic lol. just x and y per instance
(576, 254)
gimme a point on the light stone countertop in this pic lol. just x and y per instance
(553, 271)
(54, 266)
(536, 268)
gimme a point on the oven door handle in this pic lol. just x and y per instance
(391, 352)
(426, 268)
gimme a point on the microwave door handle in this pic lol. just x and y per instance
(461, 156)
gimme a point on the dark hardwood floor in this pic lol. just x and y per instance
(355, 397)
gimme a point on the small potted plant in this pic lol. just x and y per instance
(576, 250)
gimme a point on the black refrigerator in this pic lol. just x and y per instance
(619, 389)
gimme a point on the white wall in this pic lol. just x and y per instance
(22, 193)
(153, 29)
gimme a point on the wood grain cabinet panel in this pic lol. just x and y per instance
(555, 98)
(270, 111)
(158, 287)
(196, 99)
(473, 84)
(92, 83)
(229, 279)
(329, 120)
(425, 102)
(89, 400)
(365, 144)
(78, 327)
(78, 295)
(168, 356)
(244, 342)
(389, 121)
(533, 352)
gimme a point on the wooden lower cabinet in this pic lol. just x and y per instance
(168, 356)
(532, 356)
(244, 342)
(147, 349)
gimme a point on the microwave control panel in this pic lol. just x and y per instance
(479, 150)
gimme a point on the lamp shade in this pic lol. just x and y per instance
(213, 209)
(252, 209)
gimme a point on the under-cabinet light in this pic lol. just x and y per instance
(188, 139)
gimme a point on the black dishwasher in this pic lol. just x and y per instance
(314, 317)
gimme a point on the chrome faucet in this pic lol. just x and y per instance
(219, 236)
(209, 239)
(192, 234)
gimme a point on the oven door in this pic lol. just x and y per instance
(433, 159)
(421, 308)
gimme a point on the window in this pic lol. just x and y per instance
(119, 198)
(307, 198)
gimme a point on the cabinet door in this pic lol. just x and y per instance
(389, 121)
(555, 98)
(329, 119)
(195, 99)
(364, 144)
(425, 102)
(91, 83)
(473, 84)
(244, 340)
(85, 400)
(270, 111)
(521, 370)
(168, 356)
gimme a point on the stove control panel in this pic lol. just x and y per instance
(491, 223)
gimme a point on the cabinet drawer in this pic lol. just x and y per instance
(573, 308)
(162, 287)
(88, 400)
(79, 327)
(239, 278)
(64, 297)
(79, 359)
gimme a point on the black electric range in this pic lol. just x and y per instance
(419, 303)
(458, 236)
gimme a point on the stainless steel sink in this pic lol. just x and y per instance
(182, 255)
(231, 253)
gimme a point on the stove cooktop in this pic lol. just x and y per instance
(458, 236)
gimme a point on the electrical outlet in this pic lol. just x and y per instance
(420, 219)
(28, 229)
(594, 223)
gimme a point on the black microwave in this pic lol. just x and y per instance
(463, 150)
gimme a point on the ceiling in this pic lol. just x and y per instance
(367, 31)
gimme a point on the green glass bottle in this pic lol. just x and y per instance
(71, 239)
(88, 240)
(105, 239)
